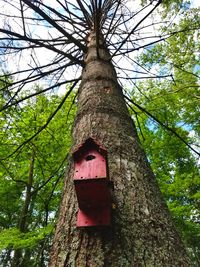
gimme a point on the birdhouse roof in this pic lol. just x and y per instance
(90, 143)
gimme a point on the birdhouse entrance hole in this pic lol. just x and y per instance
(90, 157)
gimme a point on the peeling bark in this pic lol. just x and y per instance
(142, 232)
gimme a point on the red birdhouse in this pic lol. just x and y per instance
(92, 184)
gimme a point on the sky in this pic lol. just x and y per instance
(42, 55)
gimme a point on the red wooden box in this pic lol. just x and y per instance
(92, 185)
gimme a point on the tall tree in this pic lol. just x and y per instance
(142, 232)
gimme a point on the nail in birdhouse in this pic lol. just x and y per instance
(92, 184)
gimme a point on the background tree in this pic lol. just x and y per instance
(67, 43)
(31, 179)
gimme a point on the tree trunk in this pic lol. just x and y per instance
(142, 232)
(18, 260)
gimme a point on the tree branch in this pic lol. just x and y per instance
(162, 124)
(46, 124)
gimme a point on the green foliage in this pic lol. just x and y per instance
(32, 173)
(171, 6)
(15, 239)
(175, 102)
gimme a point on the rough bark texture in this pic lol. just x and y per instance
(142, 232)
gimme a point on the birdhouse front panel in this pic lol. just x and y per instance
(96, 217)
(91, 164)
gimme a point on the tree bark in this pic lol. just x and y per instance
(142, 232)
